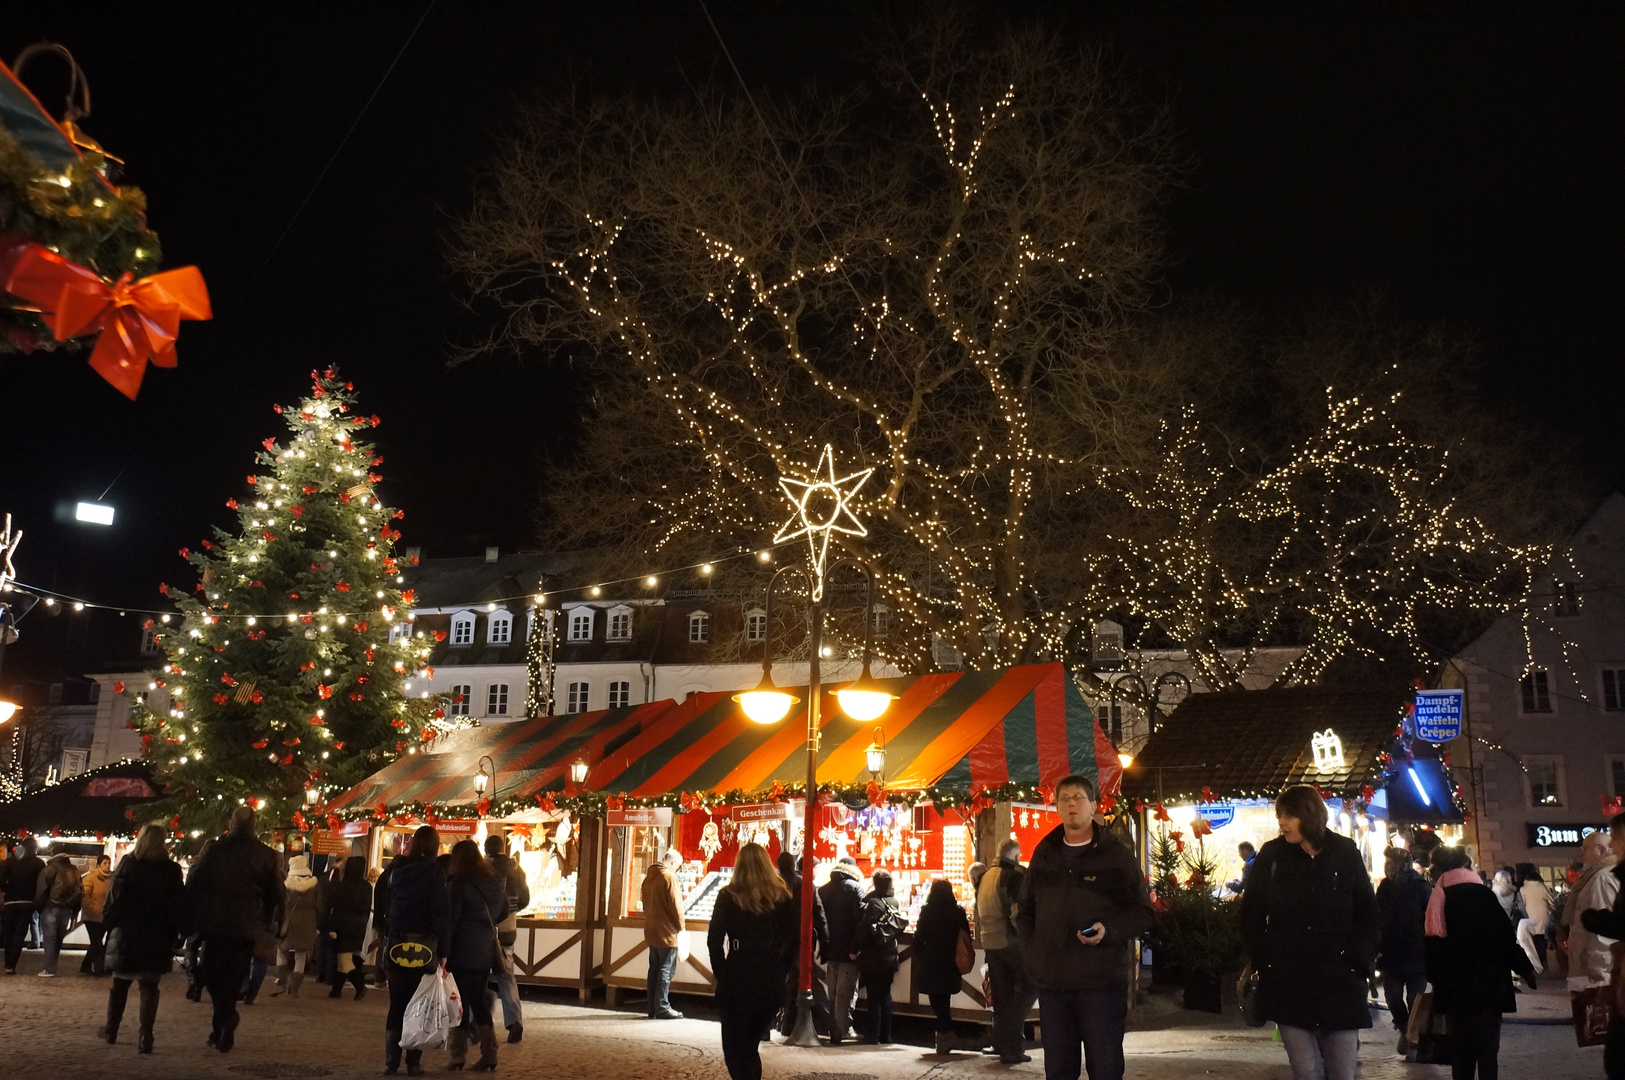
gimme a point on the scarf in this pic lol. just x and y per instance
(1435, 916)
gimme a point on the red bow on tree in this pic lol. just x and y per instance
(1179, 840)
(876, 793)
(380, 812)
(776, 792)
(979, 801)
(298, 820)
(1200, 828)
(614, 802)
(1161, 813)
(483, 806)
(137, 320)
(545, 801)
(1207, 793)
(688, 801)
(1107, 801)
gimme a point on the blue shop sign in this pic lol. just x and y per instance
(1217, 815)
(1438, 715)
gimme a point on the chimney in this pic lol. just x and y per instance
(490, 554)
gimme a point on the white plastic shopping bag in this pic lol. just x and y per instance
(454, 1000)
(426, 1021)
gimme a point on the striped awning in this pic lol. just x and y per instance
(1024, 725)
(529, 756)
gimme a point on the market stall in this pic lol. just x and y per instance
(1221, 759)
(962, 752)
(526, 766)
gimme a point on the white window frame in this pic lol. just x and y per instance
(1543, 687)
(578, 697)
(400, 631)
(582, 617)
(699, 627)
(755, 624)
(149, 641)
(620, 693)
(881, 626)
(462, 629)
(623, 615)
(1530, 761)
(463, 707)
(499, 620)
(1611, 673)
(496, 699)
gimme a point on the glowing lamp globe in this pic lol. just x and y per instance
(875, 758)
(8, 709)
(863, 703)
(766, 704)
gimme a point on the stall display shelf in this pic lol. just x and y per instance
(703, 900)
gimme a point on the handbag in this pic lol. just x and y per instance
(1593, 1012)
(1247, 997)
(964, 952)
(1428, 1033)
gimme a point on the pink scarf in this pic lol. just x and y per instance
(1435, 916)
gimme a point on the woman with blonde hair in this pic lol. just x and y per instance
(753, 942)
(143, 916)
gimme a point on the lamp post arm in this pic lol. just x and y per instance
(868, 607)
(767, 618)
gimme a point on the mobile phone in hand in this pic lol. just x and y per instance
(1090, 931)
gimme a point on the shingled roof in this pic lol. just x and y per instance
(1254, 743)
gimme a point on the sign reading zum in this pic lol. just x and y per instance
(1562, 835)
(1438, 715)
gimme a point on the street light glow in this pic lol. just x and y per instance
(94, 513)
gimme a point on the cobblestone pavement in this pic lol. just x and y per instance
(48, 1029)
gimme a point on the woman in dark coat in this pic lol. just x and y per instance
(143, 911)
(752, 941)
(936, 965)
(410, 910)
(1402, 898)
(479, 900)
(877, 958)
(1471, 948)
(346, 906)
(1310, 923)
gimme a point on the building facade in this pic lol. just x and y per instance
(1543, 743)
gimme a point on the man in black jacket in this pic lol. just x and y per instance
(19, 877)
(234, 898)
(790, 871)
(842, 900)
(1082, 903)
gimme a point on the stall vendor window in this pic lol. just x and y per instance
(549, 854)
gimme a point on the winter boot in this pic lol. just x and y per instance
(457, 1047)
(488, 1049)
(392, 1051)
(116, 997)
(294, 979)
(516, 1033)
(414, 1063)
(945, 1042)
(338, 988)
(357, 981)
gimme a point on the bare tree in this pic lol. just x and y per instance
(931, 279)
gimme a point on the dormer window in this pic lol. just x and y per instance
(755, 625)
(1106, 650)
(500, 628)
(462, 628)
(399, 632)
(149, 642)
(581, 624)
(882, 621)
(620, 624)
(699, 627)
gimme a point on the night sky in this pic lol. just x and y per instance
(1464, 159)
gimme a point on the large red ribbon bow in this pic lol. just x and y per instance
(137, 320)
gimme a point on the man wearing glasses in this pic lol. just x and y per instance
(1083, 903)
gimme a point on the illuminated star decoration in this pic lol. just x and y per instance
(8, 545)
(840, 491)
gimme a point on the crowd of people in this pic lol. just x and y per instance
(1058, 932)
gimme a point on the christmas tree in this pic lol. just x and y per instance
(281, 672)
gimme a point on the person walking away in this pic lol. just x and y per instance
(478, 901)
(297, 935)
(1402, 901)
(1590, 961)
(1013, 994)
(91, 909)
(233, 897)
(1082, 904)
(1311, 927)
(57, 895)
(790, 871)
(752, 942)
(662, 922)
(346, 906)
(19, 878)
(142, 913)
(1471, 952)
(879, 924)
(411, 912)
(1536, 901)
(1506, 893)
(512, 875)
(1611, 924)
(842, 900)
(936, 966)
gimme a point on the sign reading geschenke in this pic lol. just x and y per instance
(1548, 835)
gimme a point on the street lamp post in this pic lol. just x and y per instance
(862, 700)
